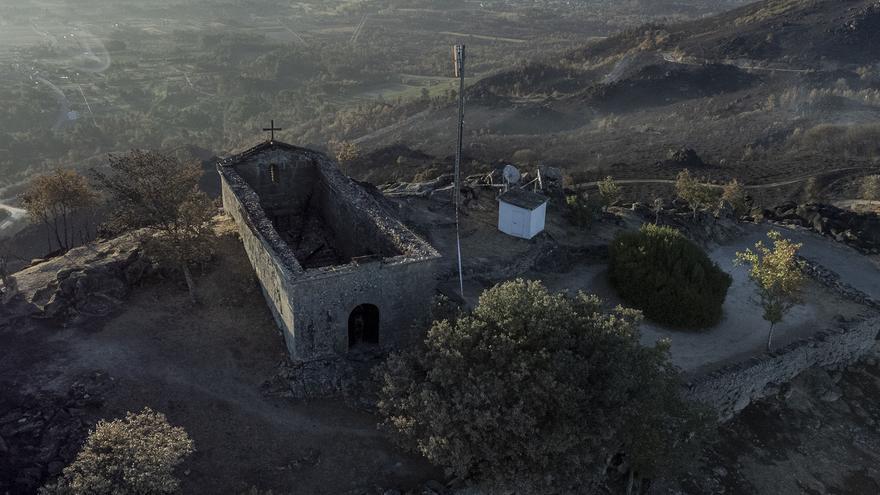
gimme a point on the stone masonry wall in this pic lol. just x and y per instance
(312, 307)
(355, 234)
(402, 291)
(296, 178)
(731, 389)
(270, 268)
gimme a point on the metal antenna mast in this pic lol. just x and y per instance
(458, 53)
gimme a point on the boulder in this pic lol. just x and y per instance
(88, 281)
(684, 157)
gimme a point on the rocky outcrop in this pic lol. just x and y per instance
(87, 282)
(683, 157)
(41, 434)
(859, 230)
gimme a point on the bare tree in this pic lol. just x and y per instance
(156, 191)
(57, 200)
(657, 207)
(8, 284)
(812, 190)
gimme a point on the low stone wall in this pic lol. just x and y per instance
(731, 389)
(832, 281)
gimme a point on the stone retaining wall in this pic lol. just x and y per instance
(731, 389)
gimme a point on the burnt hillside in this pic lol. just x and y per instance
(766, 92)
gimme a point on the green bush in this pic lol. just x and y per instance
(668, 277)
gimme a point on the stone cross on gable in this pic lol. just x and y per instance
(271, 129)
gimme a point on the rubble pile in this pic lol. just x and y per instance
(41, 434)
(348, 378)
(859, 230)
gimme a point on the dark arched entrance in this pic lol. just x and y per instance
(363, 326)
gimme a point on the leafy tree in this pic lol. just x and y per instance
(55, 200)
(735, 194)
(778, 277)
(870, 189)
(156, 191)
(661, 272)
(609, 191)
(347, 151)
(132, 456)
(537, 392)
(697, 193)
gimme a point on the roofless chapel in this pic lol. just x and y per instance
(340, 273)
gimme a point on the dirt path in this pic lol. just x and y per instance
(733, 63)
(765, 185)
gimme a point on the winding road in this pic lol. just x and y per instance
(668, 57)
(16, 215)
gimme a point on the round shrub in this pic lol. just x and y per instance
(668, 277)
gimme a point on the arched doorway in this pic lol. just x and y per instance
(363, 326)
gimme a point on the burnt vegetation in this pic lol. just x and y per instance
(531, 391)
(764, 92)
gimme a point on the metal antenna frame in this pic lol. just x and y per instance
(458, 59)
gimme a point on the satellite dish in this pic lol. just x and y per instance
(511, 174)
